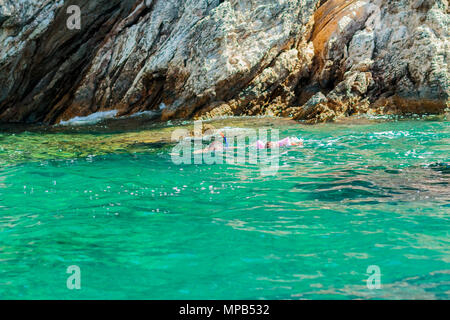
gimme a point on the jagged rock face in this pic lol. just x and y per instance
(383, 56)
(310, 59)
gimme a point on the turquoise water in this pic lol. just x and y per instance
(140, 227)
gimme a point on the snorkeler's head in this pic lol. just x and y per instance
(269, 145)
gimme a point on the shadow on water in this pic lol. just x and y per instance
(381, 185)
(440, 167)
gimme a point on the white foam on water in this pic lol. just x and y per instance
(391, 134)
(236, 130)
(90, 119)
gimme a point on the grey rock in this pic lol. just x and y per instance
(186, 58)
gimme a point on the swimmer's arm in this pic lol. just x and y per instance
(298, 144)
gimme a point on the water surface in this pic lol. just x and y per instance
(112, 202)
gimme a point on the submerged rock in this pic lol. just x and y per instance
(310, 59)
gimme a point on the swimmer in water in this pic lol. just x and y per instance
(217, 145)
(287, 142)
(222, 144)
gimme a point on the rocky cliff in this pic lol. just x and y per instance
(313, 60)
